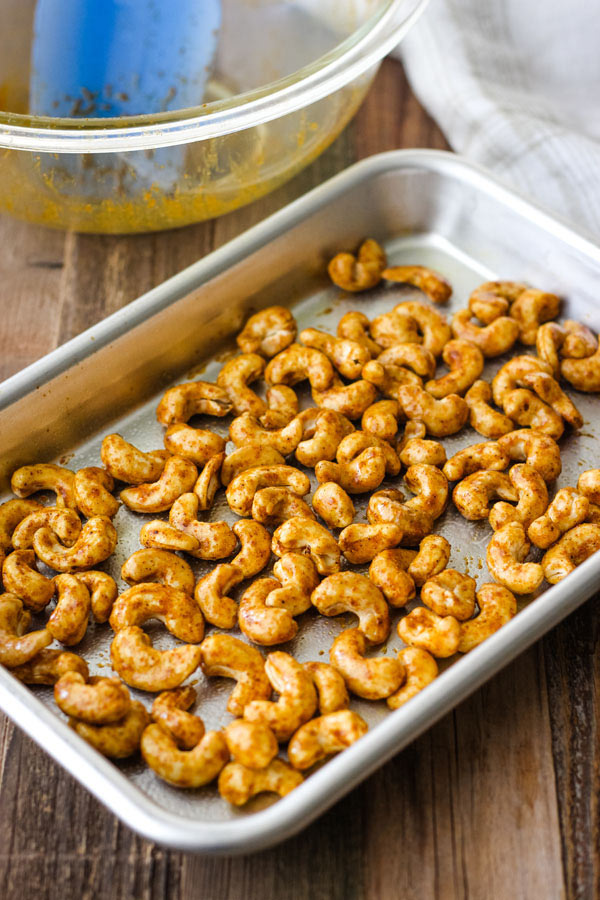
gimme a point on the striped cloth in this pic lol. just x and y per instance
(515, 85)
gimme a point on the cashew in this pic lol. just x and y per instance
(431, 283)
(100, 701)
(211, 595)
(268, 332)
(388, 573)
(548, 341)
(497, 606)
(579, 342)
(414, 451)
(583, 374)
(194, 398)
(465, 361)
(178, 477)
(486, 455)
(493, 340)
(93, 496)
(572, 549)
(175, 609)
(411, 355)
(389, 379)
(381, 419)
(222, 654)
(421, 669)
(184, 768)
(256, 547)
(505, 557)
(330, 685)
(548, 390)
(274, 505)
(68, 623)
(588, 484)
(489, 422)
(431, 489)
(360, 272)
(142, 666)
(440, 417)
(533, 498)
(238, 784)
(355, 326)
(241, 491)
(47, 666)
(372, 678)
(64, 522)
(195, 444)
(124, 462)
(298, 578)
(159, 565)
(347, 356)
(393, 328)
(103, 592)
(247, 457)
(17, 647)
(568, 509)
(119, 740)
(170, 711)
(511, 374)
(297, 697)
(282, 406)
(234, 378)
(360, 543)
(297, 363)
(472, 496)
(431, 323)
(12, 512)
(531, 309)
(209, 482)
(432, 558)
(525, 408)
(159, 535)
(45, 477)
(536, 449)
(21, 578)
(491, 300)
(424, 629)
(302, 535)
(322, 431)
(353, 445)
(350, 400)
(450, 593)
(333, 505)
(363, 473)
(262, 624)
(96, 543)
(351, 592)
(215, 540)
(390, 506)
(325, 735)
(251, 744)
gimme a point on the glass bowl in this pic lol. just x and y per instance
(287, 78)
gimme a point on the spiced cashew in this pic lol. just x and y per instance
(421, 669)
(297, 697)
(319, 738)
(194, 398)
(301, 535)
(268, 332)
(124, 462)
(142, 666)
(373, 678)
(117, 741)
(45, 477)
(238, 784)
(497, 606)
(351, 592)
(177, 610)
(93, 495)
(99, 701)
(570, 551)
(17, 646)
(178, 477)
(227, 656)
(361, 272)
(505, 557)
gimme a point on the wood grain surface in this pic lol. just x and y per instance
(499, 800)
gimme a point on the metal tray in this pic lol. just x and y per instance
(426, 207)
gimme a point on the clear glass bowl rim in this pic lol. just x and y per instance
(342, 65)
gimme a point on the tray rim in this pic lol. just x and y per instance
(327, 785)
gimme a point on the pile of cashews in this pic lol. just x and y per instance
(368, 381)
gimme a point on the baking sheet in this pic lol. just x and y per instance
(427, 208)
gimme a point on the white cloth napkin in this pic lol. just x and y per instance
(515, 85)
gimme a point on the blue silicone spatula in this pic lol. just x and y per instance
(121, 57)
(106, 58)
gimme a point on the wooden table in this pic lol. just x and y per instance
(499, 800)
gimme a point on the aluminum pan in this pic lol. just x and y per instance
(423, 204)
